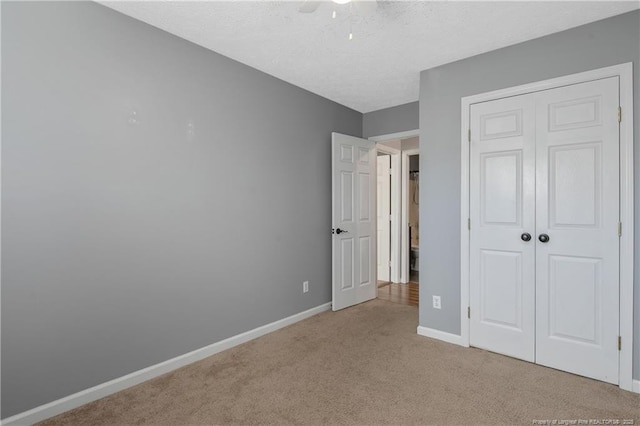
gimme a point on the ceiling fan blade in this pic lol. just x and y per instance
(309, 6)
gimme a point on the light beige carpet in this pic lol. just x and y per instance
(363, 365)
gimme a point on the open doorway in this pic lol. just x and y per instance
(411, 215)
(414, 217)
(398, 219)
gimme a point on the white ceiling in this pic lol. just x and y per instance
(391, 44)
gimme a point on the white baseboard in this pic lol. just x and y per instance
(636, 386)
(100, 391)
(441, 335)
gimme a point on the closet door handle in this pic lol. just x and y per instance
(544, 238)
(340, 231)
(525, 237)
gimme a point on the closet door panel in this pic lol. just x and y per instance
(502, 210)
(577, 207)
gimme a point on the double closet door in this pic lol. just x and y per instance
(544, 242)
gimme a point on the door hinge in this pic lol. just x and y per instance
(619, 343)
(619, 229)
(469, 135)
(469, 224)
(469, 312)
(619, 114)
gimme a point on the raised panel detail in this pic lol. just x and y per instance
(365, 197)
(501, 125)
(365, 262)
(575, 182)
(501, 188)
(574, 114)
(501, 288)
(574, 298)
(346, 154)
(346, 189)
(347, 254)
(363, 155)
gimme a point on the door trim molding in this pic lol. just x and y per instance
(625, 74)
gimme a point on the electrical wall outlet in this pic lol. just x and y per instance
(436, 302)
(305, 286)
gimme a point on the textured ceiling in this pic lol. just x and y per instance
(391, 43)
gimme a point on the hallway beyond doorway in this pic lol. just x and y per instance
(405, 294)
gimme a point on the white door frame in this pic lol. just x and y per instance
(405, 243)
(625, 74)
(399, 233)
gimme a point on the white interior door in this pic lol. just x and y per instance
(546, 165)
(502, 206)
(353, 220)
(577, 205)
(384, 216)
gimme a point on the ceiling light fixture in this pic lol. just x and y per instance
(333, 14)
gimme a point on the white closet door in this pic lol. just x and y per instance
(502, 209)
(577, 207)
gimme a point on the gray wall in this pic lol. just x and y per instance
(126, 245)
(600, 44)
(390, 120)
